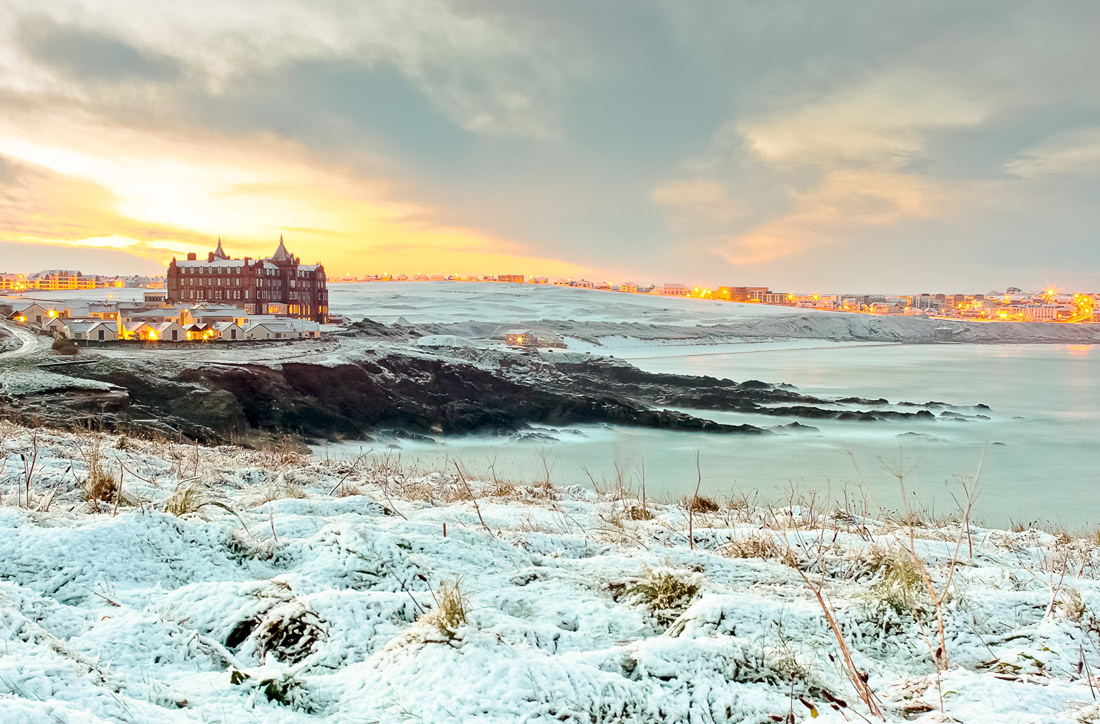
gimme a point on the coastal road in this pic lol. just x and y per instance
(30, 341)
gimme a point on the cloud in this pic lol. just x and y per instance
(882, 122)
(91, 55)
(486, 74)
(1072, 153)
(823, 167)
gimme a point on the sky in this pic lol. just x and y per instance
(806, 146)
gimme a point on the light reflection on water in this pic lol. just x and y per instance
(1039, 449)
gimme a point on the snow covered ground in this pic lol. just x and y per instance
(224, 585)
(614, 323)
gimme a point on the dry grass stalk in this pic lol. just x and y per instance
(692, 504)
(855, 676)
(100, 486)
(470, 492)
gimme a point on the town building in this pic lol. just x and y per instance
(95, 330)
(775, 298)
(510, 278)
(56, 280)
(279, 284)
(741, 294)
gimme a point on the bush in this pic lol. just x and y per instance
(63, 345)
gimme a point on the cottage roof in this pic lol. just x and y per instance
(82, 326)
(24, 306)
(153, 314)
(218, 311)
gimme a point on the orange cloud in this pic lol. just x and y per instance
(844, 200)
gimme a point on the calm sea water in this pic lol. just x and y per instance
(1038, 454)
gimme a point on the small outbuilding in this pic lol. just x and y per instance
(521, 338)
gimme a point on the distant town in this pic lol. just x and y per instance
(1011, 305)
(220, 298)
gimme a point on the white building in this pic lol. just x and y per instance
(278, 328)
(95, 330)
(227, 331)
(36, 314)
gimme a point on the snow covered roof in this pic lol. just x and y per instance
(81, 326)
(285, 325)
(218, 263)
(24, 306)
(153, 314)
(218, 310)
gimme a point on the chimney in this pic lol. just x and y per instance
(191, 257)
(210, 256)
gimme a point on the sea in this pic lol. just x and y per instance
(1035, 460)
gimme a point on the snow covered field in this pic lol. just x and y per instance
(223, 585)
(618, 323)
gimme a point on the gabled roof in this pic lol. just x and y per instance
(22, 307)
(207, 310)
(153, 314)
(87, 326)
(281, 254)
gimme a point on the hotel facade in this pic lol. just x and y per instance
(279, 284)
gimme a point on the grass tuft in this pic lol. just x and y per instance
(898, 582)
(450, 613)
(703, 504)
(665, 592)
(756, 545)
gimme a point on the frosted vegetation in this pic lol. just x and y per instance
(146, 581)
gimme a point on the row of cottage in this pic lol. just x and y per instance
(206, 323)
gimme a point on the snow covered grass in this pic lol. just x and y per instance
(231, 585)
